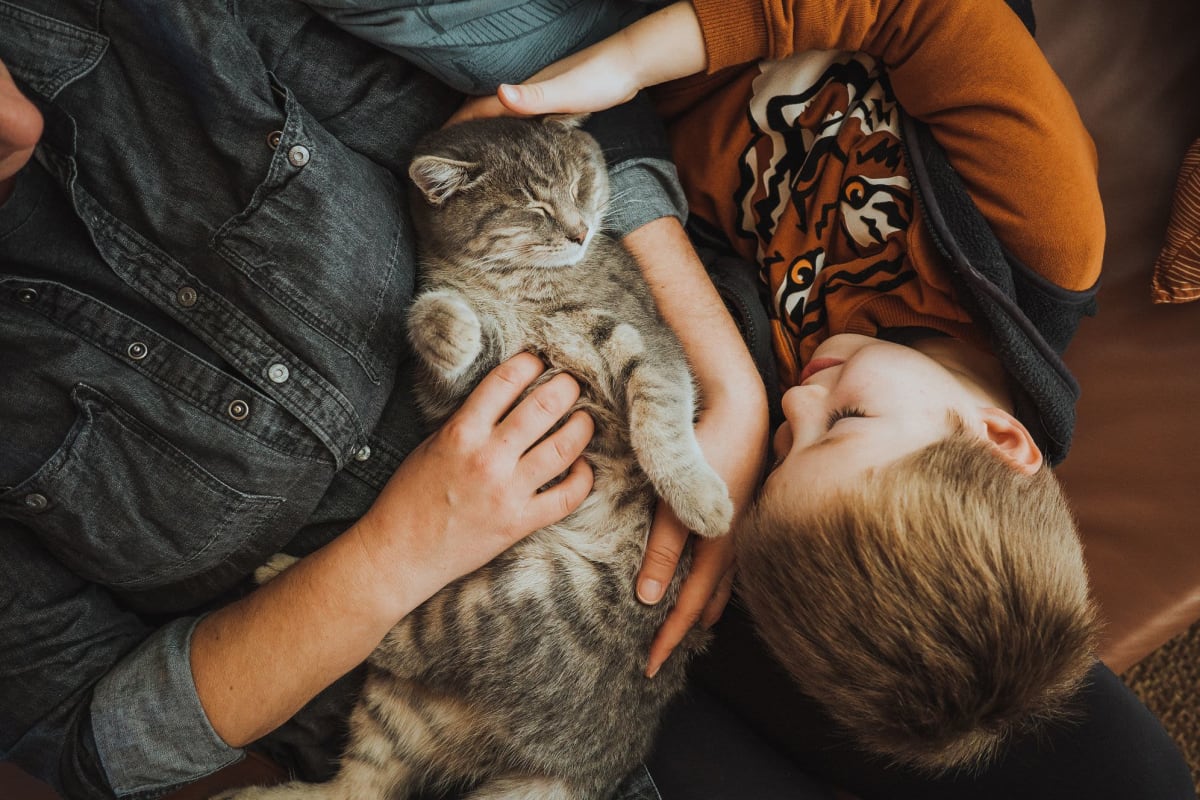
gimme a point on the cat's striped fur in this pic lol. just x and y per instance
(525, 679)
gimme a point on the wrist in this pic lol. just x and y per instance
(393, 572)
(655, 64)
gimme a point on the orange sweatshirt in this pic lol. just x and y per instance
(797, 157)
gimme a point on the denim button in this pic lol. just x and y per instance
(27, 295)
(239, 409)
(187, 296)
(35, 501)
(274, 138)
(137, 351)
(363, 454)
(278, 373)
(298, 155)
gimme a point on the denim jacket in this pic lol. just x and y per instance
(203, 277)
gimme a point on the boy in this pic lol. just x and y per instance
(911, 562)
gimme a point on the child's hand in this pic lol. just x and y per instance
(706, 590)
(20, 129)
(470, 490)
(659, 47)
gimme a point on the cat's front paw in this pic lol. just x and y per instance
(445, 332)
(701, 501)
(275, 565)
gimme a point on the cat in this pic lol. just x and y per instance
(526, 678)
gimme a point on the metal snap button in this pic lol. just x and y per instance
(36, 501)
(298, 155)
(187, 296)
(239, 410)
(274, 138)
(137, 351)
(278, 373)
(26, 294)
(363, 454)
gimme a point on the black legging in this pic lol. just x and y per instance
(744, 733)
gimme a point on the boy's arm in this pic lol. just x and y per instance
(732, 428)
(607, 73)
(969, 70)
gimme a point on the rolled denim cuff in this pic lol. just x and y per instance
(643, 190)
(151, 732)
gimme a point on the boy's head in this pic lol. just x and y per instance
(910, 561)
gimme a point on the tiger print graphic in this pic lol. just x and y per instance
(824, 194)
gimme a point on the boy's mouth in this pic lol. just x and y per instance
(816, 365)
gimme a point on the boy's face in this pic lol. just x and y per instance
(864, 403)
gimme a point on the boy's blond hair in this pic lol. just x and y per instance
(935, 611)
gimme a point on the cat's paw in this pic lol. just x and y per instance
(701, 501)
(275, 565)
(445, 332)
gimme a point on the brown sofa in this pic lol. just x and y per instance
(1134, 472)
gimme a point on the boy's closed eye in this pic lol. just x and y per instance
(841, 414)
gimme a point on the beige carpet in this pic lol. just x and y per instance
(1168, 682)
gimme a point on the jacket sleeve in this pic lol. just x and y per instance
(972, 72)
(92, 700)
(645, 185)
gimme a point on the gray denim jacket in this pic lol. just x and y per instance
(203, 277)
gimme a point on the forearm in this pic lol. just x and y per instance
(644, 44)
(692, 307)
(258, 661)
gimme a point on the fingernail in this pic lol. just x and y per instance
(650, 591)
(509, 92)
(653, 670)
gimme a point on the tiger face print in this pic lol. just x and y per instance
(824, 195)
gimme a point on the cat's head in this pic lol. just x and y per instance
(529, 191)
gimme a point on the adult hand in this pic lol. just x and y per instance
(20, 129)
(471, 490)
(706, 590)
(659, 47)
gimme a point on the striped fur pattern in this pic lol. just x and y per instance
(525, 679)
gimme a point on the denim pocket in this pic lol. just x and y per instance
(323, 235)
(44, 52)
(123, 507)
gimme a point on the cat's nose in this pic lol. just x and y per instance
(579, 235)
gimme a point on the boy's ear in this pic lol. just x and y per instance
(438, 178)
(1012, 440)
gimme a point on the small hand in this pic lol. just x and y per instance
(707, 587)
(704, 593)
(659, 47)
(20, 129)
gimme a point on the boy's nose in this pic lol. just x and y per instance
(804, 409)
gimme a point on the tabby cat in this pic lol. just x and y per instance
(525, 679)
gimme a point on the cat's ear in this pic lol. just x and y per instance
(567, 120)
(438, 177)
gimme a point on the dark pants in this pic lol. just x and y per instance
(745, 732)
